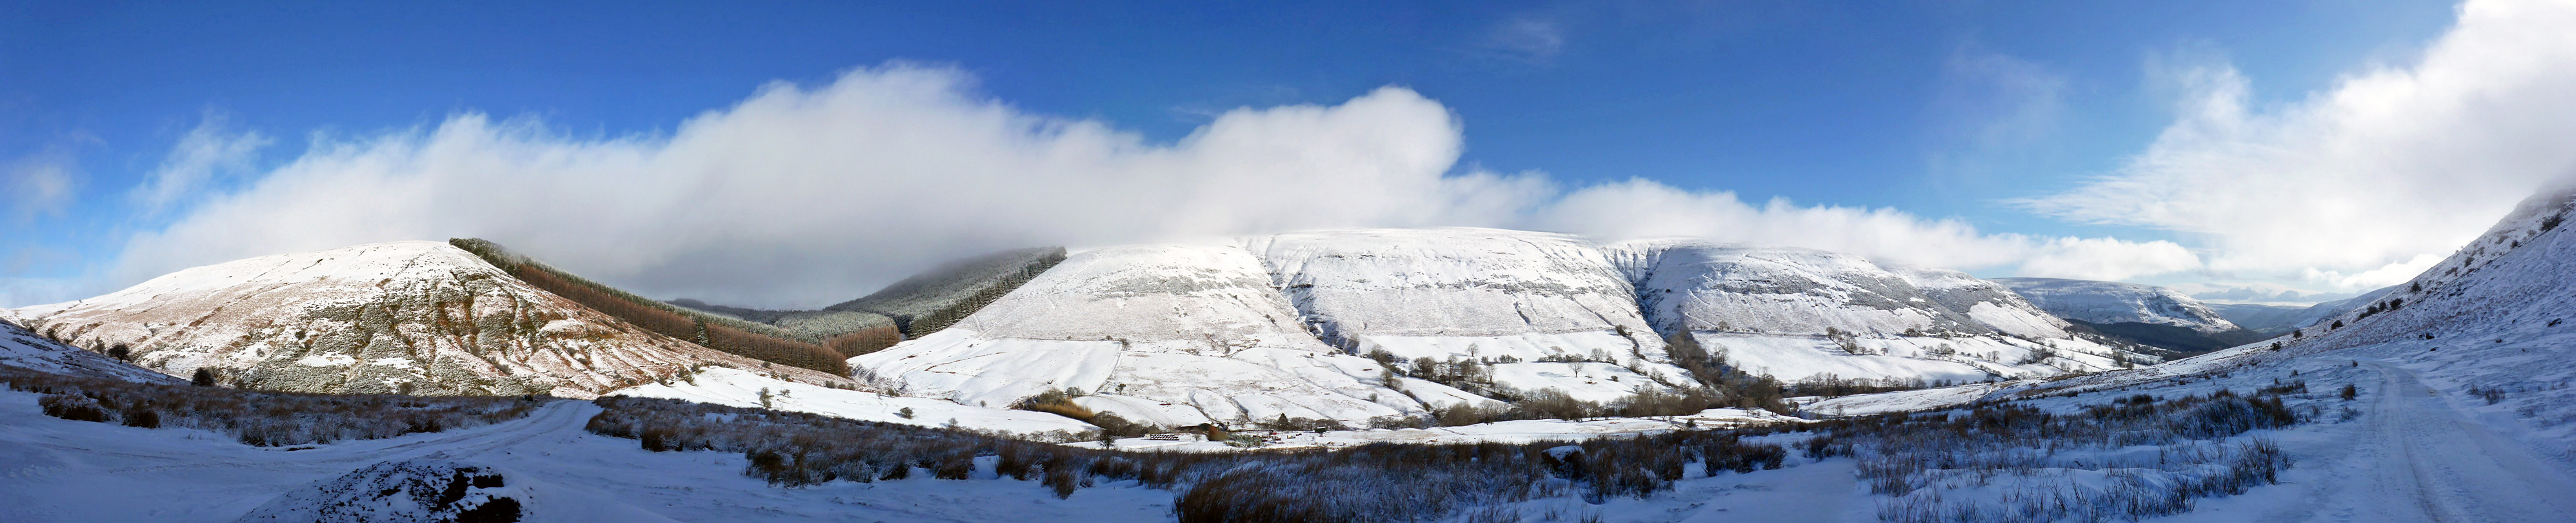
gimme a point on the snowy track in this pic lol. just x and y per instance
(2418, 459)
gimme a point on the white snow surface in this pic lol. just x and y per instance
(2116, 302)
(61, 471)
(419, 490)
(1196, 325)
(26, 350)
(741, 388)
(425, 315)
(1586, 381)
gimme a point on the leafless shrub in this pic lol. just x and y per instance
(1368, 483)
(2010, 463)
(261, 418)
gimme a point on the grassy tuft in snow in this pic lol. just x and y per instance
(261, 418)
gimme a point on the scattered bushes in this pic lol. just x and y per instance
(1733, 387)
(2006, 462)
(1368, 483)
(261, 418)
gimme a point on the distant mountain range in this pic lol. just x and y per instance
(1359, 326)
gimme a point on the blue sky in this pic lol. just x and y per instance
(1935, 110)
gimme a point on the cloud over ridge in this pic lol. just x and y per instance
(2356, 184)
(800, 196)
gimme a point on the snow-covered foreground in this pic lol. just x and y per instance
(70, 471)
(2405, 451)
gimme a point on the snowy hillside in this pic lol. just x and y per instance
(418, 317)
(2144, 314)
(1165, 334)
(26, 350)
(2104, 302)
(1800, 313)
(1467, 294)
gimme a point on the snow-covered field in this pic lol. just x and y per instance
(739, 388)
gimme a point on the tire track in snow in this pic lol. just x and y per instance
(2435, 465)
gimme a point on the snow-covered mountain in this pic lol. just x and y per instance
(1171, 335)
(2105, 302)
(23, 349)
(1346, 324)
(1798, 313)
(1512, 297)
(2145, 314)
(418, 317)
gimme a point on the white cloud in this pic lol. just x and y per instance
(2390, 164)
(807, 196)
(205, 152)
(2386, 275)
(802, 196)
(40, 183)
(1528, 38)
(1994, 106)
(1645, 209)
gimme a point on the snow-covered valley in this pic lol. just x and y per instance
(2446, 401)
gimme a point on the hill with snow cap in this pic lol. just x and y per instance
(418, 317)
(1799, 313)
(1165, 334)
(1469, 294)
(2145, 314)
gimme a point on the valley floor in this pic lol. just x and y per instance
(2407, 452)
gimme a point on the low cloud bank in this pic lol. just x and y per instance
(801, 196)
